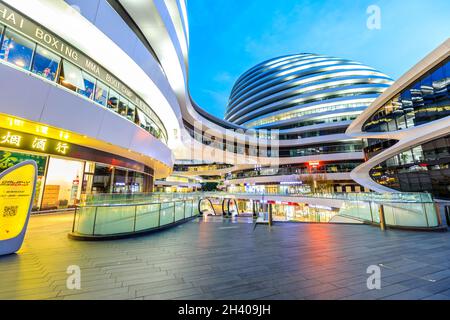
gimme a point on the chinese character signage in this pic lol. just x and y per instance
(29, 142)
(17, 189)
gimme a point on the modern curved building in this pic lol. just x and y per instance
(308, 100)
(96, 93)
(85, 98)
(407, 129)
(107, 106)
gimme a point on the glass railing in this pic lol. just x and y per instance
(397, 214)
(405, 210)
(126, 214)
(121, 198)
(359, 196)
(112, 219)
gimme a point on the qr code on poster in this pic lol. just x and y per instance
(10, 211)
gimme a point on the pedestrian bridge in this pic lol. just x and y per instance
(109, 216)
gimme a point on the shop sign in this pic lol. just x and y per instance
(17, 189)
(29, 142)
(21, 23)
(9, 159)
(314, 164)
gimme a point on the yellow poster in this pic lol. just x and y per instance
(17, 186)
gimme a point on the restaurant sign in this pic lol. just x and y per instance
(25, 141)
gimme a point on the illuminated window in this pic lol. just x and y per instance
(71, 76)
(17, 50)
(140, 119)
(62, 186)
(113, 101)
(101, 93)
(123, 105)
(89, 85)
(45, 63)
(131, 112)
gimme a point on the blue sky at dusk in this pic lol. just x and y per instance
(227, 37)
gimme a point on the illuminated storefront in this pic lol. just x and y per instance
(30, 47)
(67, 172)
(300, 212)
(81, 160)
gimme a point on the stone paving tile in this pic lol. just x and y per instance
(383, 293)
(208, 260)
(175, 294)
(163, 289)
(414, 294)
(437, 297)
(331, 294)
(261, 294)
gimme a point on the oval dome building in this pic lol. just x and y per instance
(283, 90)
(310, 100)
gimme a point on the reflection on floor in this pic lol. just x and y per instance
(225, 260)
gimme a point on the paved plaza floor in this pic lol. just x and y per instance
(217, 259)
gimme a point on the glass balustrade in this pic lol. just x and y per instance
(116, 214)
(109, 217)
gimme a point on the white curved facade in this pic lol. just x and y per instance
(135, 52)
(401, 127)
(86, 97)
(144, 47)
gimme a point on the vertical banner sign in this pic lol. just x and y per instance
(17, 189)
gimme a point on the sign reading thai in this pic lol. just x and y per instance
(17, 189)
(19, 22)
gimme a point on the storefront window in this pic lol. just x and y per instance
(89, 85)
(113, 101)
(140, 119)
(88, 177)
(120, 181)
(136, 181)
(17, 50)
(102, 179)
(152, 128)
(71, 77)
(101, 93)
(131, 112)
(62, 187)
(22, 52)
(123, 105)
(45, 63)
